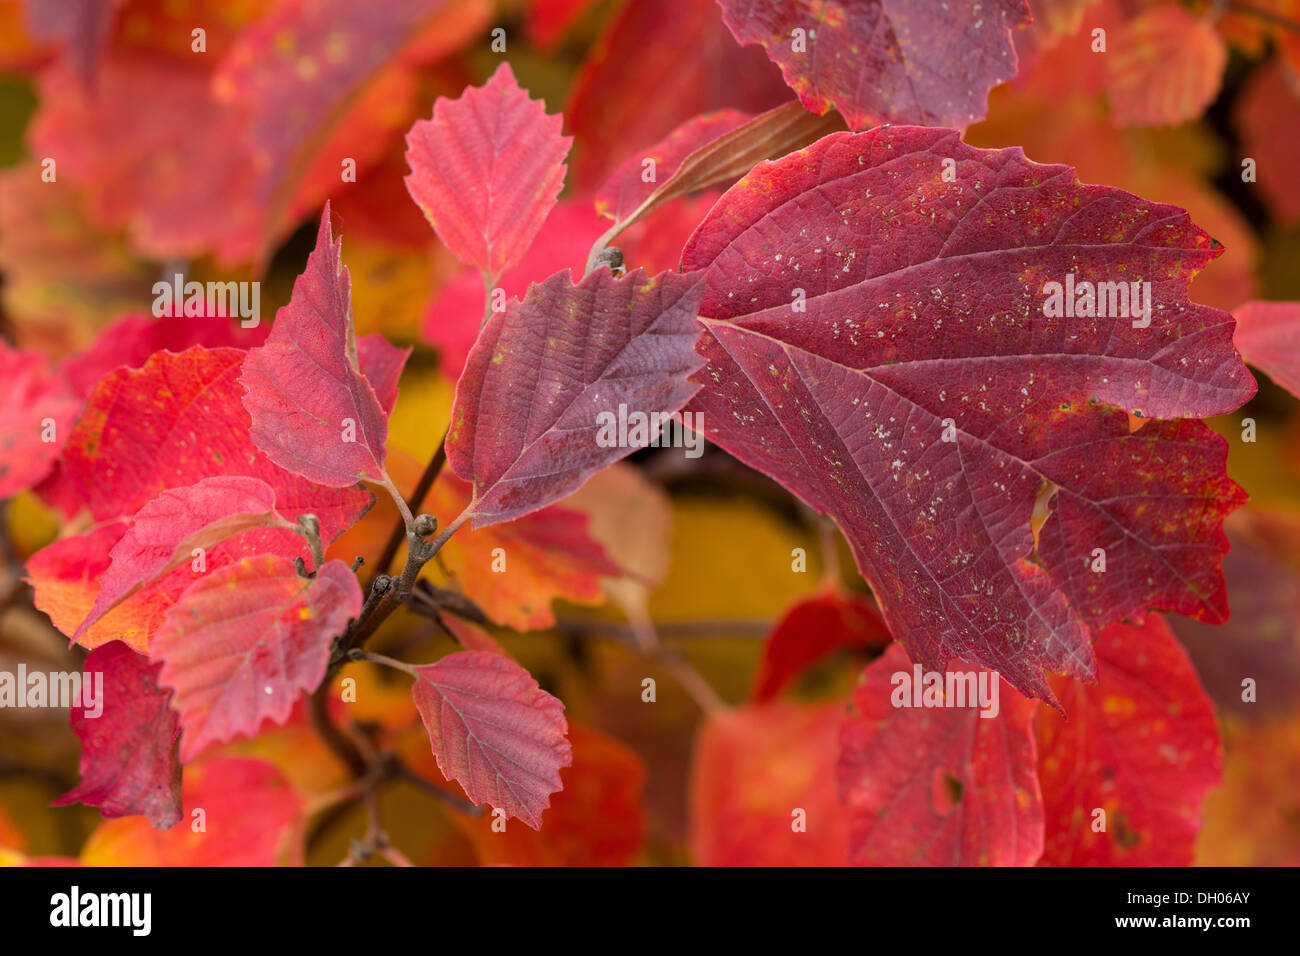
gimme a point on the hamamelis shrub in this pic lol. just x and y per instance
(854, 338)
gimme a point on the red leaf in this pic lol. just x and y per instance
(1261, 639)
(596, 820)
(938, 785)
(1273, 90)
(327, 80)
(1141, 744)
(381, 364)
(313, 412)
(164, 533)
(925, 316)
(136, 173)
(486, 170)
(129, 763)
(680, 50)
(1165, 67)
(131, 340)
(246, 640)
(251, 817)
(173, 422)
(525, 423)
(36, 406)
(1268, 335)
(627, 186)
(901, 61)
(494, 731)
(751, 769)
(812, 629)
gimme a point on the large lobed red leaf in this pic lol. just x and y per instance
(494, 731)
(938, 785)
(524, 426)
(129, 761)
(924, 314)
(486, 170)
(313, 411)
(246, 640)
(1141, 744)
(901, 61)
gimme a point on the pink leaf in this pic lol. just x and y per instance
(494, 731)
(164, 533)
(901, 61)
(921, 391)
(1268, 335)
(486, 170)
(246, 640)
(313, 411)
(36, 412)
(129, 763)
(527, 419)
(938, 785)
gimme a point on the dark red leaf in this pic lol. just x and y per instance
(900, 61)
(526, 419)
(928, 400)
(494, 731)
(129, 763)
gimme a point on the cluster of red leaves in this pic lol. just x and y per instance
(859, 317)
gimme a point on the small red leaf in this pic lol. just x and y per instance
(939, 785)
(901, 61)
(812, 629)
(1268, 335)
(129, 763)
(164, 533)
(528, 409)
(313, 412)
(246, 640)
(1141, 744)
(486, 170)
(494, 731)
